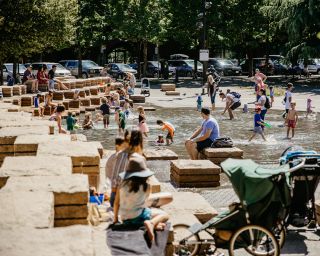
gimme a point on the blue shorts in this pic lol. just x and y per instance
(139, 221)
(204, 144)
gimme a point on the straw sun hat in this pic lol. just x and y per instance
(137, 167)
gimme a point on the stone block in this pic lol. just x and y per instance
(7, 91)
(154, 184)
(90, 109)
(159, 154)
(6, 149)
(29, 143)
(94, 90)
(67, 189)
(68, 94)
(194, 167)
(172, 93)
(8, 135)
(86, 169)
(194, 178)
(83, 93)
(23, 88)
(16, 102)
(67, 241)
(80, 83)
(66, 105)
(70, 222)
(26, 123)
(70, 212)
(13, 109)
(26, 101)
(138, 98)
(223, 152)
(98, 145)
(26, 209)
(193, 184)
(85, 102)
(168, 87)
(149, 109)
(58, 95)
(190, 203)
(95, 101)
(16, 90)
(74, 103)
(81, 153)
(36, 112)
(94, 180)
(35, 166)
(47, 111)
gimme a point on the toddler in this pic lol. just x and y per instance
(199, 103)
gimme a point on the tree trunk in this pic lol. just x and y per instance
(79, 62)
(145, 57)
(250, 68)
(139, 59)
(1, 73)
(14, 71)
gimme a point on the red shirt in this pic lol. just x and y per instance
(42, 77)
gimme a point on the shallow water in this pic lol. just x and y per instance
(240, 129)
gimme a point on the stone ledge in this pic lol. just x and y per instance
(159, 154)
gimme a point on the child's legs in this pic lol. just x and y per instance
(288, 131)
(230, 113)
(252, 136)
(292, 132)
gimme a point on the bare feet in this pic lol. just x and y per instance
(150, 228)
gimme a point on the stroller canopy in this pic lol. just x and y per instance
(251, 181)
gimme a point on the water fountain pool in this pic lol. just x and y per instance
(186, 121)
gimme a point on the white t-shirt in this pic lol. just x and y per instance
(288, 95)
(262, 101)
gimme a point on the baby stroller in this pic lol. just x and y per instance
(302, 211)
(251, 227)
(145, 87)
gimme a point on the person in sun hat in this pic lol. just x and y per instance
(131, 197)
(258, 122)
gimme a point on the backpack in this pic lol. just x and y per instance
(235, 94)
(224, 142)
(267, 103)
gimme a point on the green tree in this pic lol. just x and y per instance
(33, 26)
(140, 21)
(300, 19)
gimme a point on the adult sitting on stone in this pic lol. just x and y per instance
(28, 79)
(209, 132)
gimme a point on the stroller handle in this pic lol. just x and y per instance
(297, 167)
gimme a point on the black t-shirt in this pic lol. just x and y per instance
(26, 75)
(51, 74)
(105, 109)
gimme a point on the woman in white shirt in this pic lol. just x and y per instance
(262, 101)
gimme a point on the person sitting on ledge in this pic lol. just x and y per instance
(209, 132)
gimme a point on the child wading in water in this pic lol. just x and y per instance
(142, 122)
(258, 122)
(87, 122)
(309, 107)
(271, 95)
(199, 103)
(170, 128)
(130, 202)
(292, 119)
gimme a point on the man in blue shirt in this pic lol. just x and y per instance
(208, 133)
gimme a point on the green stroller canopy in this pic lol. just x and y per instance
(251, 181)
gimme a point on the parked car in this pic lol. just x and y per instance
(259, 63)
(179, 56)
(311, 64)
(7, 69)
(117, 70)
(317, 61)
(61, 71)
(224, 66)
(185, 67)
(89, 67)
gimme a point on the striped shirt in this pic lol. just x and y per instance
(120, 165)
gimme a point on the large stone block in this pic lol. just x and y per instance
(68, 190)
(70, 222)
(24, 123)
(16, 116)
(81, 153)
(194, 179)
(85, 102)
(26, 101)
(94, 90)
(64, 241)
(194, 167)
(29, 143)
(190, 203)
(95, 101)
(35, 166)
(172, 93)
(74, 103)
(168, 87)
(68, 94)
(87, 169)
(6, 149)
(70, 212)
(58, 95)
(223, 152)
(8, 135)
(159, 154)
(7, 91)
(154, 184)
(26, 209)
(138, 98)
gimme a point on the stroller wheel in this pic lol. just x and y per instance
(191, 246)
(280, 232)
(255, 240)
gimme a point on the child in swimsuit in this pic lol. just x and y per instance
(292, 119)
